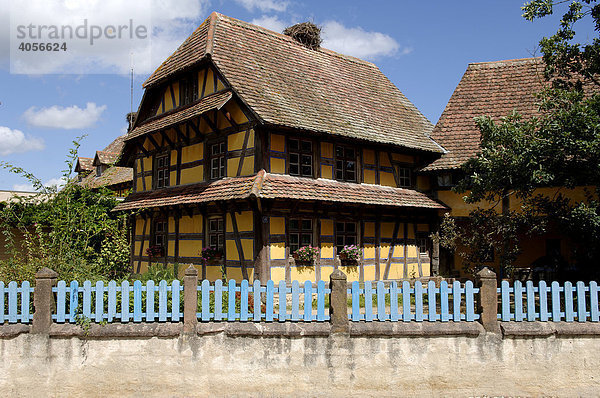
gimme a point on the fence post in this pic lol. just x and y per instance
(43, 300)
(487, 302)
(338, 302)
(190, 299)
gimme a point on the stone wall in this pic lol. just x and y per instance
(293, 359)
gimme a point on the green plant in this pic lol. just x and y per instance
(71, 230)
(350, 252)
(306, 253)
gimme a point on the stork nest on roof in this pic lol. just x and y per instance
(306, 33)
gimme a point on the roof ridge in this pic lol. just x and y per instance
(281, 36)
(506, 61)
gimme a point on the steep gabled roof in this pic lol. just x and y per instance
(84, 164)
(112, 176)
(494, 89)
(289, 85)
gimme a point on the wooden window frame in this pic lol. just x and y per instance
(218, 233)
(164, 181)
(345, 160)
(401, 169)
(423, 244)
(188, 89)
(344, 234)
(160, 233)
(301, 153)
(220, 156)
(301, 231)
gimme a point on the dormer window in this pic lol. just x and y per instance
(188, 89)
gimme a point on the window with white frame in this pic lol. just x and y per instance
(217, 160)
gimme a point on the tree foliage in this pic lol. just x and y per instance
(558, 148)
(71, 230)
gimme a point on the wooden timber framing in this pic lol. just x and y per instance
(238, 244)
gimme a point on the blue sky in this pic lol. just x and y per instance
(423, 48)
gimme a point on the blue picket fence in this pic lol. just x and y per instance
(16, 302)
(114, 302)
(548, 303)
(419, 303)
(229, 302)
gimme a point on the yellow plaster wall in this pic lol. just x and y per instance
(302, 274)
(278, 142)
(327, 171)
(191, 225)
(235, 141)
(327, 150)
(458, 206)
(369, 156)
(232, 166)
(247, 166)
(277, 165)
(191, 175)
(277, 274)
(190, 248)
(387, 179)
(192, 153)
(369, 176)
(399, 157)
(277, 225)
(236, 112)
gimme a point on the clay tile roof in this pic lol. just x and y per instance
(287, 84)
(106, 157)
(225, 189)
(111, 176)
(273, 186)
(495, 89)
(214, 101)
(84, 164)
(276, 186)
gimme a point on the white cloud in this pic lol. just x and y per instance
(169, 23)
(273, 23)
(14, 141)
(58, 117)
(358, 42)
(263, 5)
(53, 182)
(23, 187)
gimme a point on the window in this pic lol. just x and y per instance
(345, 163)
(188, 89)
(161, 171)
(301, 158)
(215, 233)
(404, 175)
(445, 180)
(300, 233)
(99, 170)
(217, 160)
(160, 234)
(423, 245)
(345, 234)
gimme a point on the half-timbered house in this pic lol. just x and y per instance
(252, 144)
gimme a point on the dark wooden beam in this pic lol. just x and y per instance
(153, 142)
(238, 244)
(165, 137)
(227, 116)
(140, 146)
(211, 124)
(181, 136)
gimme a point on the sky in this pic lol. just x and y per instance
(422, 47)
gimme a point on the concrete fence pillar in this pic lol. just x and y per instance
(190, 299)
(487, 302)
(338, 302)
(43, 300)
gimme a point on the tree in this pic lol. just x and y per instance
(71, 230)
(559, 148)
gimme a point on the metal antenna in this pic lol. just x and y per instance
(131, 104)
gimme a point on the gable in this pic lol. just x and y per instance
(286, 84)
